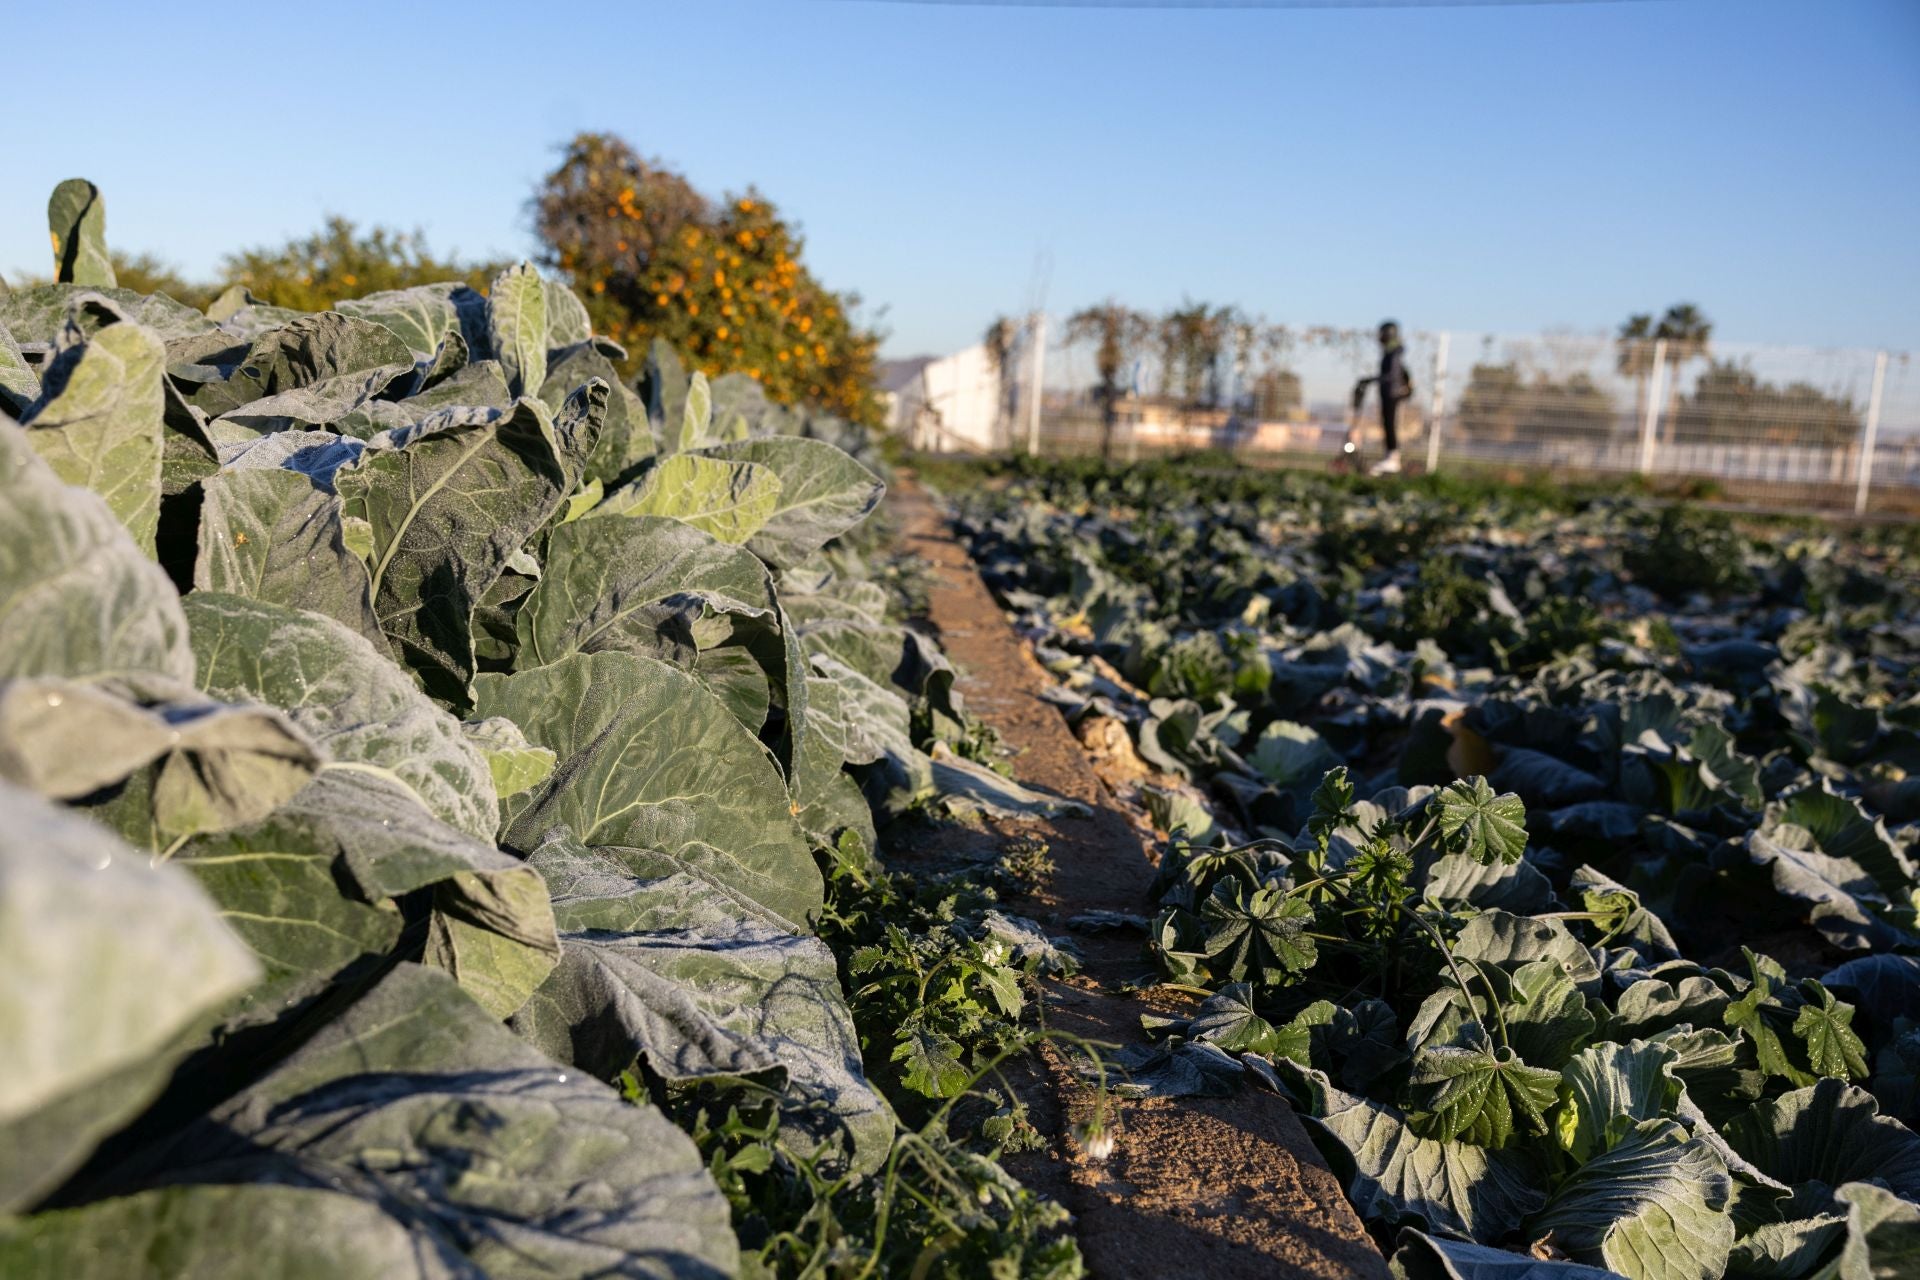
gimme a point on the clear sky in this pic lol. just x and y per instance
(1504, 167)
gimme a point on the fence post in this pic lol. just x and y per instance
(1870, 433)
(1039, 380)
(1436, 413)
(1652, 423)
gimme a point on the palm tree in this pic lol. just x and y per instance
(1688, 334)
(1633, 358)
(1116, 333)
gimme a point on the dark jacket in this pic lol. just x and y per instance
(1394, 382)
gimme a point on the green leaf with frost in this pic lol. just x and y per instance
(216, 765)
(1393, 1173)
(635, 585)
(1883, 1235)
(517, 327)
(823, 493)
(1653, 1207)
(77, 597)
(110, 962)
(19, 384)
(1227, 1018)
(77, 222)
(1289, 755)
(1766, 1013)
(351, 698)
(270, 534)
(98, 423)
(1546, 1016)
(696, 423)
(44, 313)
(652, 763)
(1484, 826)
(567, 319)
(730, 500)
(1508, 940)
(1825, 1026)
(515, 763)
(1608, 1088)
(528, 1169)
(672, 971)
(434, 322)
(320, 883)
(1829, 1133)
(1480, 1093)
(331, 356)
(930, 1063)
(449, 503)
(189, 1231)
(1258, 934)
(1420, 1256)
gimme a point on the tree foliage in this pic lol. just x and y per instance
(1502, 403)
(1193, 336)
(721, 280)
(1732, 404)
(311, 273)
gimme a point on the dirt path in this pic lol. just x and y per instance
(1200, 1187)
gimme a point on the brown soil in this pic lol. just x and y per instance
(1214, 1187)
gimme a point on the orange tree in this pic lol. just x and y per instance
(722, 282)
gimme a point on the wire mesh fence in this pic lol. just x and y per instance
(1782, 426)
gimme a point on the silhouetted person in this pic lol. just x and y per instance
(1395, 385)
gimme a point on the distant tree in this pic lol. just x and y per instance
(340, 261)
(145, 273)
(309, 273)
(998, 340)
(722, 281)
(1633, 359)
(1501, 404)
(1193, 337)
(1688, 335)
(1276, 394)
(1116, 333)
(1731, 404)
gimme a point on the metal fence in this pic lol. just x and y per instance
(1787, 427)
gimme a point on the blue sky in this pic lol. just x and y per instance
(1506, 168)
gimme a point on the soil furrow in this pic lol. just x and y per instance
(1215, 1187)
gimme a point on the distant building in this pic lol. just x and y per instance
(945, 404)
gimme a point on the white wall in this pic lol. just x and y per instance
(952, 405)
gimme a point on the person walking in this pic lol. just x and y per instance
(1395, 385)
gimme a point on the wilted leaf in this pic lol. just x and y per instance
(667, 969)
(528, 1169)
(1394, 1173)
